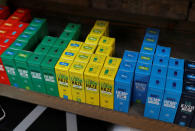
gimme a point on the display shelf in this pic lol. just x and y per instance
(133, 119)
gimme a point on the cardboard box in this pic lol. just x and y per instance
(92, 39)
(88, 48)
(83, 57)
(75, 45)
(145, 58)
(163, 51)
(130, 55)
(69, 54)
(112, 62)
(103, 50)
(161, 61)
(97, 59)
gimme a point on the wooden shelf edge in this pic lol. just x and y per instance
(131, 120)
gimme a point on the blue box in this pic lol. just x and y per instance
(152, 40)
(171, 100)
(176, 63)
(161, 61)
(141, 80)
(163, 51)
(148, 49)
(159, 71)
(152, 32)
(190, 66)
(145, 58)
(175, 74)
(127, 66)
(154, 97)
(130, 56)
(122, 91)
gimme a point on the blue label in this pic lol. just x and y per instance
(31, 28)
(182, 123)
(20, 25)
(1, 8)
(190, 76)
(18, 44)
(191, 66)
(9, 53)
(76, 45)
(37, 21)
(13, 33)
(69, 53)
(63, 63)
(6, 40)
(189, 88)
(24, 36)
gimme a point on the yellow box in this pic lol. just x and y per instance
(77, 81)
(92, 83)
(97, 31)
(63, 79)
(104, 50)
(112, 62)
(102, 25)
(107, 77)
(74, 45)
(97, 59)
(69, 54)
(92, 39)
(83, 57)
(88, 48)
(108, 41)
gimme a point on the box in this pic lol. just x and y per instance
(21, 58)
(74, 45)
(145, 58)
(63, 79)
(161, 61)
(20, 26)
(175, 74)
(34, 31)
(3, 75)
(83, 57)
(112, 62)
(77, 84)
(72, 27)
(42, 49)
(141, 80)
(69, 54)
(176, 63)
(152, 32)
(68, 36)
(27, 38)
(130, 55)
(97, 59)
(13, 34)
(163, 51)
(123, 90)
(49, 75)
(103, 50)
(98, 31)
(171, 100)
(152, 40)
(107, 41)
(10, 67)
(4, 45)
(61, 43)
(128, 66)
(55, 52)
(102, 25)
(92, 83)
(49, 41)
(107, 77)
(7, 25)
(148, 49)
(88, 48)
(19, 45)
(159, 71)
(190, 66)
(92, 39)
(34, 67)
(154, 97)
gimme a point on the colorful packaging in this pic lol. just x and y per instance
(97, 59)
(75, 28)
(103, 50)
(102, 25)
(69, 54)
(148, 49)
(92, 39)
(17, 45)
(145, 58)
(66, 35)
(63, 79)
(83, 57)
(55, 52)
(176, 63)
(163, 51)
(159, 71)
(75, 45)
(108, 41)
(92, 83)
(77, 81)
(42, 49)
(112, 62)
(98, 31)
(130, 55)
(49, 41)
(161, 61)
(88, 48)
(152, 32)
(128, 66)
(61, 43)
(152, 40)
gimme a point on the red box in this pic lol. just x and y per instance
(3, 75)
(7, 25)
(3, 33)
(20, 26)
(25, 13)
(1, 22)
(13, 34)
(14, 18)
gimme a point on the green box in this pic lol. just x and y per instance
(34, 66)
(55, 52)
(10, 67)
(61, 43)
(21, 58)
(68, 36)
(72, 27)
(34, 31)
(18, 45)
(48, 70)
(49, 41)
(42, 49)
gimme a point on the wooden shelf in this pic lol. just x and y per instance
(134, 119)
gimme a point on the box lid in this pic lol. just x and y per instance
(161, 61)
(145, 58)
(128, 66)
(176, 63)
(142, 68)
(83, 57)
(130, 55)
(97, 59)
(148, 49)
(49, 40)
(93, 69)
(49, 62)
(163, 51)
(63, 64)
(112, 62)
(78, 67)
(23, 56)
(159, 71)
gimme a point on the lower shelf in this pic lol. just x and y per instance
(133, 119)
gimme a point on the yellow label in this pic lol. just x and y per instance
(97, 31)
(92, 39)
(88, 48)
(77, 81)
(83, 57)
(112, 62)
(74, 45)
(97, 59)
(69, 54)
(104, 50)
(92, 83)
(107, 77)
(63, 79)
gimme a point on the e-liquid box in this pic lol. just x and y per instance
(92, 83)
(112, 62)
(77, 81)
(83, 57)
(102, 25)
(92, 39)
(171, 100)
(154, 97)
(122, 91)
(63, 78)
(152, 32)
(189, 77)
(159, 71)
(69, 54)
(130, 55)
(163, 51)
(128, 66)
(97, 59)
(75, 28)
(161, 61)
(107, 77)
(98, 31)
(17, 45)
(34, 66)
(42, 49)
(74, 45)
(88, 48)
(141, 80)
(145, 58)
(104, 50)
(176, 63)
(61, 43)
(148, 49)
(107, 41)
(175, 74)
(186, 106)
(49, 75)
(55, 52)
(21, 59)
(190, 66)
(68, 36)
(48, 41)
(152, 40)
